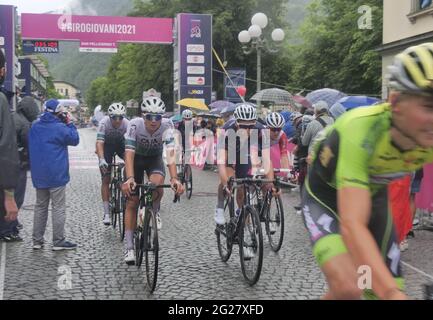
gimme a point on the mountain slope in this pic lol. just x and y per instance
(81, 68)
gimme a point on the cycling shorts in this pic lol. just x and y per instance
(323, 224)
(152, 165)
(109, 151)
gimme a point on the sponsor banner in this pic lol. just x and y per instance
(195, 48)
(196, 81)
(192, 59)
(104, 47)
(194, 56)
(196, 70)
(424, 199)
(7, 43)
(204, 152)
(196, 92)
(238, 78)
(40, 46)
(96, 28)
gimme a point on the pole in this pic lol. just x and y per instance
(259, 73)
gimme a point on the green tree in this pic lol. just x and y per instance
(139, 67)
(51, 92)
(337, 53)
(99, 94)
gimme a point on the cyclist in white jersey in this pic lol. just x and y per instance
(144, 145)
(110, 140)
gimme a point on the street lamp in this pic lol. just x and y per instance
(253, 39)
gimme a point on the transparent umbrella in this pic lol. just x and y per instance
(274, 95)
(330, 96)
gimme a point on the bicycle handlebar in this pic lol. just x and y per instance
(122, 164)
(262, 171)
(152, 187)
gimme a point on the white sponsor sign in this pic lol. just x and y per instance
(99, 50)
(195, 59)
(196, 81)
(196, 48)
(2, 41)
(195, 70)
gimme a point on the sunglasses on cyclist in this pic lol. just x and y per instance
(116, 118)
(153, 117)
(276, 129)
(247, 125)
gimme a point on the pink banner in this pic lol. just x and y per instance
(424, 199)
(97, 29)
(205, 151)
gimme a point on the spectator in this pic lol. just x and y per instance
(27, 112)
(210, 125)
(337, 110)
(288, 128)
(49, 139)
(318, 124)
(219, 123)
(9, 162)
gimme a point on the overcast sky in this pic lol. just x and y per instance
(37, 6)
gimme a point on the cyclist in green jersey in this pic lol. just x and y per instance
(345, 203)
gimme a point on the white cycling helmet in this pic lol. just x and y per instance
(245, 112)
(275, 120)
(187, 114)
(116, 109)
(153, 105)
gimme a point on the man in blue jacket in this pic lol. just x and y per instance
(49, 138)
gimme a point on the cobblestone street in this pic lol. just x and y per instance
(190, 267)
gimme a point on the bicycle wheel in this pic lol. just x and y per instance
(251, 245)
(138, 242)
(224, 233)
(275, 222)
(188, 180)
(151, 248)
(113, 204)
(120, 214)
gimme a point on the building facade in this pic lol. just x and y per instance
(32, 78)
(67, 90)
(405, 23)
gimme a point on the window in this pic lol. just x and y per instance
(67, 92)
(424, 4)
(420, 8)
(419, 5)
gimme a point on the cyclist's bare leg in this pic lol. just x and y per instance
(342, 278)
(130, 220)
(105, 189)
(240, 196)
(220, 196)
(157, 179)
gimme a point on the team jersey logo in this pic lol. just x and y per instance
(326, 156)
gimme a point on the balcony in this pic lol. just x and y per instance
(420, 8)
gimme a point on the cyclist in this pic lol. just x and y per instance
(145, 139)
(250, 142)
(110, 140)
(345, 205)
(187, 128)
(279, 142)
